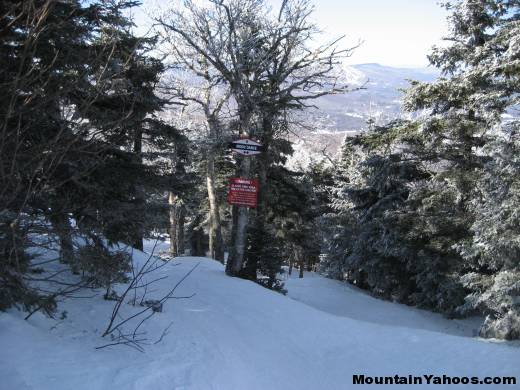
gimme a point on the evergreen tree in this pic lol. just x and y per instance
(412, 217)
(481, 83)
(79, 96)
(380, 241)
(47, 66)
(494, 280)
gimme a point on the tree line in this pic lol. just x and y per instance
(425, 211)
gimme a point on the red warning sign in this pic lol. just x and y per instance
(243, 192)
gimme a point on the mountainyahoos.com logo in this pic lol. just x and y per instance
(432, 380)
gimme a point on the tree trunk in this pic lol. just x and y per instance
(240, 240)
(257, 245)
(196, 237)
(61, 226)
(262, 166)
(177, 217)
(138, 233)
(180, 229)
(216, 244)
(230, 261)
(301, 261)
(240, 214)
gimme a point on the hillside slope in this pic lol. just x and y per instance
(234, 334)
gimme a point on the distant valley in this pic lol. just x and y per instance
(337, 115)
(379, 99)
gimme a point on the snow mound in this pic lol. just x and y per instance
(234, 334)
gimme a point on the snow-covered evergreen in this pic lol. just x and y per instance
(495, 248)
(427, 215)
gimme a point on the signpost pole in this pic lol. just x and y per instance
(242, 195)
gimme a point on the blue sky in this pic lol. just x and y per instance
(394, 32)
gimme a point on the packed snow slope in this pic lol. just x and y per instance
(234, 334)
(342, 299)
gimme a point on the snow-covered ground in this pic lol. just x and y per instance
(234, 334)
(344, 300)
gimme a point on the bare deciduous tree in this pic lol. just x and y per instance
(193, 84)
(269, 67)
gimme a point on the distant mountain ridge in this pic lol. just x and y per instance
(379, 99)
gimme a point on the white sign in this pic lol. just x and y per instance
(246, 147)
